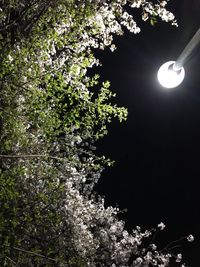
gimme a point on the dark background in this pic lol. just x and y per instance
(157, 151)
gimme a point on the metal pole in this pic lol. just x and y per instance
(187, 51)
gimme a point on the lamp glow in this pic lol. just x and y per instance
(170, 77)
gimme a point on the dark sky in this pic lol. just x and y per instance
(157, 151)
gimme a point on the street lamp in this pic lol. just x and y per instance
(172, 73)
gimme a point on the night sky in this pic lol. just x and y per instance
(157, 151)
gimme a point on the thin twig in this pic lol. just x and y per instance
(34, 253)
(168, 246)
(30, 156)
(11, 260)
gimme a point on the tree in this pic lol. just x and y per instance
(52, 112)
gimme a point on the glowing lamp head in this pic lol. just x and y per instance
(169, 76)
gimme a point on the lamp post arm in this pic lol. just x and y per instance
(187, 51)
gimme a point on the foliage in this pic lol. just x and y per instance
(52, 112)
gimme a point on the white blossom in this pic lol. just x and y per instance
(161, 226)
(190, 238)
(179, 257)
